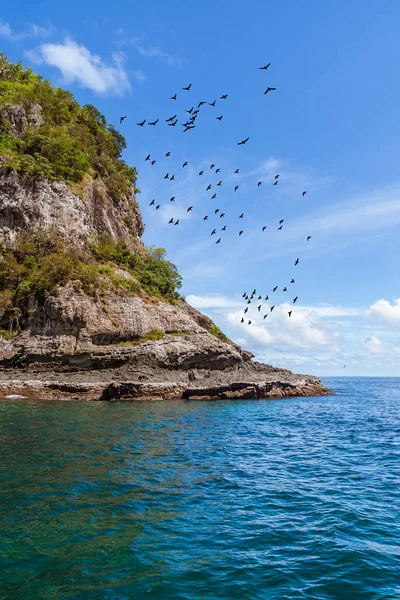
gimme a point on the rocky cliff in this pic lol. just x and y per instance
(86, 311)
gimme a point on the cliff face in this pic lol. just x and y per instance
(107, 322)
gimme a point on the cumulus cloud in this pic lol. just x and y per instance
(78, 65)
(374, 346)
(386, 313)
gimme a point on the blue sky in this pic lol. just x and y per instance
(330, 128)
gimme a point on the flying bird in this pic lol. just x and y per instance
(185, 164)
(170, 222)
(259, 307)
(170, 119)
(212, 166)
(237, 171)
(176, 222)
(154, 123)
(295, 300)
(259, 183)
(218, 241)
(217, 170)
(152, 202)
(173, 124)
(153, 162)
(272, 308)
(221, 216)
(304, 193)
(285, 289)
(236, 188)
(214, 231)
(173, 97)
(290, 313)
(219, 183)
(201, 104)
(205, 218)
(213, 197)
(241, 216)
(242, 321)
(224, 228)
(279, 228)
(172, 178)
(297, 262)
(121, 119)
(224, 97)
(190, 111)
(158, 206)
(172, 199)
(189, 209)
(275, 288)
(243, 142)
(249, 322)
(211, 103)
(216, 211)
(141, 123)
(147, 158)
(292, 281)
(281, 221)
(309, 238)
(269, 89)
(201, 173)
(267, 297)
(240, 233)
(220, 118)
(208, 187)
(264, 228)
(276, 182)
(265, 67)
(168, 154)
(265, 316)
(166, 176)
(277, 176)
(246, 309)
(187, 88)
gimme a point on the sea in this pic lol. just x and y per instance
(252, 499)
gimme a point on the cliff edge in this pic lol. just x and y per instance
(86, 310)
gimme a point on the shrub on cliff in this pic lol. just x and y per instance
(72, 141)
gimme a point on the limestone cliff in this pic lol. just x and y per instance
(82, 314)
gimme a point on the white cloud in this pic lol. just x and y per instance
(152, 51)
(78, 65)
(387, 313)
(374, 346)
(38, 31)
(33, 31)
(211, 301)
(7, 33)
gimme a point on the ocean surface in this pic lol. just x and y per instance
(249, 499)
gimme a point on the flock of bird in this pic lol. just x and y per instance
(189, 123)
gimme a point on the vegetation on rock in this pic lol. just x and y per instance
(214, 330)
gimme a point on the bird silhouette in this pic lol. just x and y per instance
(240, 233)
(243, 142)
(244, 295)
(172, 199)
(217, 170)
(218, 241)
(237, 171)
(205, 218)
(292, 281)
(259, 298)
(259, 183)
(152, 202)
(214, 231)
(224, 228)
(297, 262)
(172, 178)
(275, 288)
(208, 187)
(276, 182)
(285, 289)
(211, 103)
(176, 222)
(265, 67)
(173, 124)
(219, 183)
(242, 321)
(170, 119)
(246, 309)
(295, 300)
(185, 164)
(213, 197)
(187, 88)
(190, 111)
(241, 216)
(224, 97)
(158, 206)
(249, 301)
(153, 162)
(173, 97)
(141, 124)
(265, 316)
(168, 154)
(188, 128)
(190, 209)
(170, 221)
(264, 228)
(290, 313)
(277, 176)
(279, 228)
(221, 216)
(304, 193)
(201, 173)
(266, 297)
(166, 176)
(121, 119)
(249, 322)
(147, 158)
(236, 188)
(269, 89)
(309, 238)
(212, 166)
(281, 221)
(272, 308)
(216, 211)
(220, 118)
(154, 123)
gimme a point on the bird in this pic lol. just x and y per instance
(236, 188)
(249, 322)
(141, 123)
(121, 119)
(285, 289)
(279, 228)
(265, 316)
(295, 300)
(264, 228)
(224, 228)
(170, 119)
(297, 262)
(224, 97)
(152, 202)
(153, 162)
(187, 88)
(189, 209)
(205, 218)
(217, 170)
(281, 221)
(214, 231)
(249, 301)
(190, 111)
(242, 321)
(269, 89)
(218, 241)
(201, 104)
(208, 187)
(243, 142)
(172, 199)
(265, 67)
(309, 238)
(216, 211)
(241, 216)
(266, 297)
(211, 103)
(221, 216)
(253, 292)
(292, 281)
(259, 307)
(173, 97)
(259, 183)
(158, 206)
(172, 178)
(220, 118)
(240, 233)
(214, 196)
(212, 166)
(304, 193)
(219, 183)
(188, 128)
(246, 309)
(147, 158)
(272, 307)
(290, 313)
(275, 288)
(170, 222)
(201, 173)
(176, 222)
(276, 182)
(166, 176)
(259, 298)
(277, 176)
(168, 154)
(237, 171)
(154, 123)
(173, 124)
(185, 164)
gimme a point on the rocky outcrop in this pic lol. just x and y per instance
(20, 118)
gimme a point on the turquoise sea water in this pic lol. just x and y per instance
(284, 499)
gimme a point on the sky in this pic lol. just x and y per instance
(331, 128)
